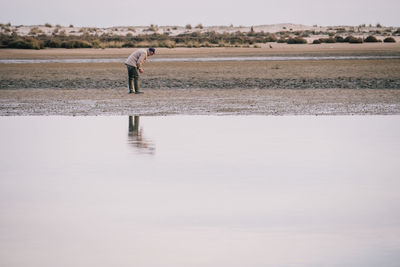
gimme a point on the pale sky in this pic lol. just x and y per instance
(208, 12)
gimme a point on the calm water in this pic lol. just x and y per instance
(195, 59)
(200, 191)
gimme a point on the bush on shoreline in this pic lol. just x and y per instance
(371, 39)
(296, 40)
(353, 40)
(389, 40)
(195, 39)
(28, 43)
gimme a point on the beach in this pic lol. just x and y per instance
(281, 87)
(262, 135)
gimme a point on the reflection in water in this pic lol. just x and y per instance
(222, 191)
(136, 139)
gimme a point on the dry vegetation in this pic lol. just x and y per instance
(42, 36)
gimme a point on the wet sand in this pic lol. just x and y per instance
(330, 87)
(200, 102)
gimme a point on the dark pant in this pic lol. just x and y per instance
(133, 74)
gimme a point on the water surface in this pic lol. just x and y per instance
(195, 59)
(200, 191)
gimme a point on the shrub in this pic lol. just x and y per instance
(353, 40)
(167, 44)
(76, 44)
(53, 43)
(128, 44)
(188, 27)
(296, 40)
(221, 44)
(270, 38)
(305, 34)
(206, 44)
(26, 44)
(71, 26)
(389, 40)
(329, 40)
(35, 31)
(152, 28)
(340, 30)
(96, 44)
(371, 39)
(199, 26)
(316, 41)
(48, 25)
(339, 39)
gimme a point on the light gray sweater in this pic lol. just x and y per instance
(137, 58)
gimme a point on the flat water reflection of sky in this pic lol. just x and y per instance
(200, 191)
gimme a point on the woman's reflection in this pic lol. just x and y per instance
(135, 137)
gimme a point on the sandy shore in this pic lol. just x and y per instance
(330, 87)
